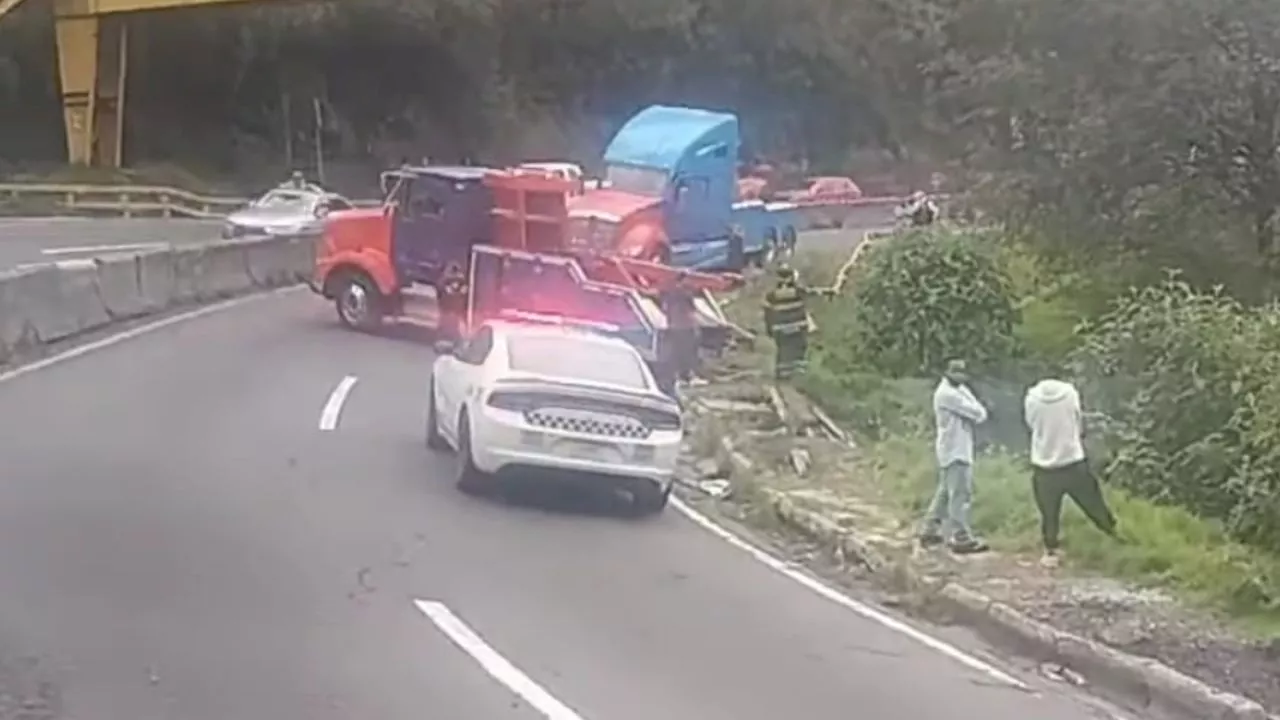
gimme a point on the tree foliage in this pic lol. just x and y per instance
(929, 296)
(1192, 383)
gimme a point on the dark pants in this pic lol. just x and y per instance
(683, 351)
(1079, 483)
(451, 316)
(790, 352)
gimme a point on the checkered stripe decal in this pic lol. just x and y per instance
(589, 424)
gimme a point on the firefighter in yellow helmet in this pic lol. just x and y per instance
(786, 319)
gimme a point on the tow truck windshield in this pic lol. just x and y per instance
(637, 180)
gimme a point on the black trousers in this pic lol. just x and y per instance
(1078, 482)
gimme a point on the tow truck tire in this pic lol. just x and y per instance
(737, 259)
(789, 239)
(358, 302)
(664, 255)
(471, 481)
(648, 500)
(435, 440)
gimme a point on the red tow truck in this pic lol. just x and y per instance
(508, 230)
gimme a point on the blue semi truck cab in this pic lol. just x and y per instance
(669, 195)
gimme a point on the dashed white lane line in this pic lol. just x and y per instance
(493, 663)
(332, 411)
(100, 249)
(847, 602)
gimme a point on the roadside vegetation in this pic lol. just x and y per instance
(1185, 382)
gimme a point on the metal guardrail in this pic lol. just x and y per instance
(128, 200)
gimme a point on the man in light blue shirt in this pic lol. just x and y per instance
(956, 413)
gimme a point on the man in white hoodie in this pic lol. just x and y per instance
(956, 412)
(1059, 467)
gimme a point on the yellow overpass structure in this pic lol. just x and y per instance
(93, 66)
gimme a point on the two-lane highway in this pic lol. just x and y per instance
(27, 241)
(192, 526)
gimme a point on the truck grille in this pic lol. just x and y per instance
(588, 423)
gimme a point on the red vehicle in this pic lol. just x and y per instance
(833, 193)
(506, 230)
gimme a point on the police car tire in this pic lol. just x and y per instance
(471, 480)
(435, 440)
(648, 499)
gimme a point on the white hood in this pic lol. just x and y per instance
(1051, 391)
(1052, 410)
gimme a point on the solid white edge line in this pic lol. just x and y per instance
(847, 602)
(135, 332)
(101, 248)
(498, 667)
(332, 411)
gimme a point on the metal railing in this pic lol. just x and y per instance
(124, 200)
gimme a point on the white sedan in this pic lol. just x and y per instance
(558, 401)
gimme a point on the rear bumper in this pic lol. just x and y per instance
(506, 444)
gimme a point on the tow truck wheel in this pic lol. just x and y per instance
(434, 440)
(470, 479)
(358, 302)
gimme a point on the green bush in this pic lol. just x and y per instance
(928, 296)
(1191, 382)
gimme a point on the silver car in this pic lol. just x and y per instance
(287, 210)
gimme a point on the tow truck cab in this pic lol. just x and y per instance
(671, 174)
(370, 260)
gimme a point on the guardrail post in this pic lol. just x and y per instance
(166, 211)
(124, 202)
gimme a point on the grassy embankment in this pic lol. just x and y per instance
(1167, 547)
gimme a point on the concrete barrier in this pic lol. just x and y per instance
(51, 303)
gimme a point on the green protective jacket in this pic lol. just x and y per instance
(785, 309)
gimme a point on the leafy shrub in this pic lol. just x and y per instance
(928, 296)
(1191, 382)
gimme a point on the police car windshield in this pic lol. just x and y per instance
(573, 358)
(636, 180)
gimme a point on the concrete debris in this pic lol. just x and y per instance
(735, 407)
(708, 469)
(800, 461)
(718, 489)
(779, 407)
(1061, 673)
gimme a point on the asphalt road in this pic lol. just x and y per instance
(235, 517)
(42, 240)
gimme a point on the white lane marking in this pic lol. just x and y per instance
(139, 331)
(847, 602)
(497, 666)
(98, 249)
(332, 411)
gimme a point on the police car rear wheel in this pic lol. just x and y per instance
(649, 499)
(470, 479)
(434, 440)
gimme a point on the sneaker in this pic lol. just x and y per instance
(971, 546)
(1050, 560)
(930, 539)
